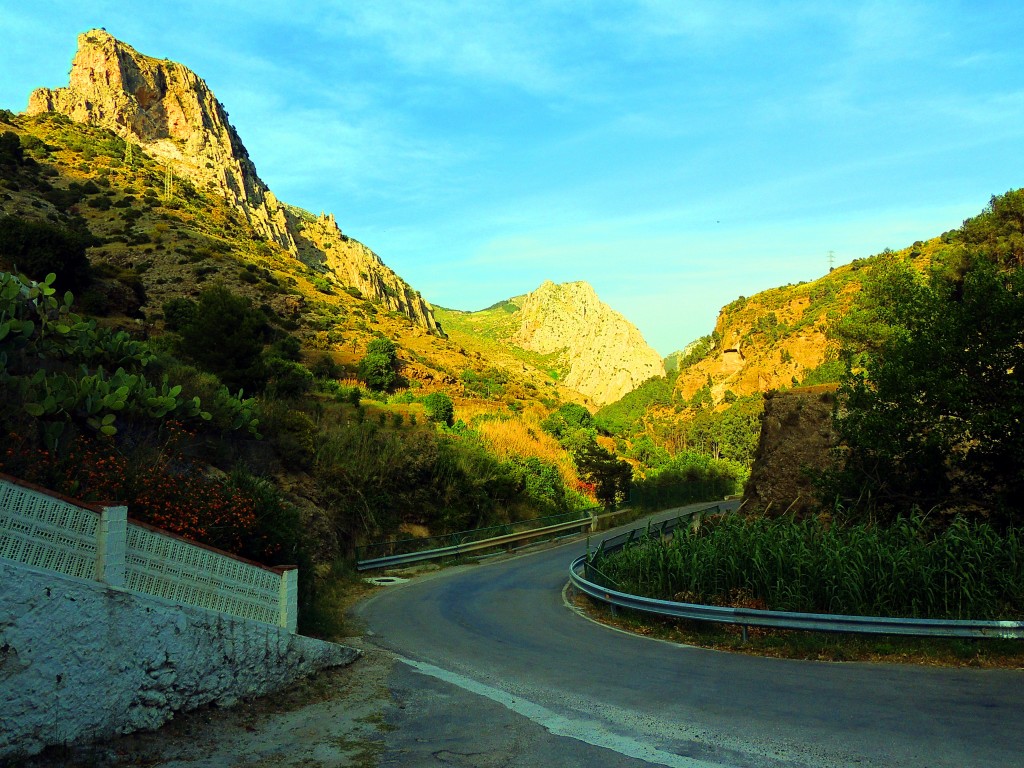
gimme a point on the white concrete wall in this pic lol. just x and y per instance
(81, 661)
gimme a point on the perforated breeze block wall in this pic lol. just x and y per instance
(80, 661)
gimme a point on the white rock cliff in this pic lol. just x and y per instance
(608, 357)
(171, 112)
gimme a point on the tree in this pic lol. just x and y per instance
(11, 154)
(936, 418)
(439, 408)
(998, 230)
(288, 378)
(377, 368)
(611, 477)
(225, 336)
(382, 346)
(179, 312)
(568, 418)
(647, 452)
(729, 434)
(377, 372)
(326, 368)
(37, 248)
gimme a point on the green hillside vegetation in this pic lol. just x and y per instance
(694, 352)
(782, 312)
(157, 353)
(628, 416)
(683, 452)
(772, 320)
(490, 328)
(921, 512)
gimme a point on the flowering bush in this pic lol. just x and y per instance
(161, 486)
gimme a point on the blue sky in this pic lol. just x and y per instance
(673, 154)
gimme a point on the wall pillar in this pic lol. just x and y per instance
(289, 601)
(111, 536)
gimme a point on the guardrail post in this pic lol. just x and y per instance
(111, 535)
(288, 602)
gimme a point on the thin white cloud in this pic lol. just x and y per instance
(701, 21)
(495, 42)
(360, 159)
(482, 147)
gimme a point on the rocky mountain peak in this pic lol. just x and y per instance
(608, 356)
(167, 109)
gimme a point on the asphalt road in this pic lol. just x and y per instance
(495, 669)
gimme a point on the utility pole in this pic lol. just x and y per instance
(168, 183)
(831, 259)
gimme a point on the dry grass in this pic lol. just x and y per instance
(522, 436)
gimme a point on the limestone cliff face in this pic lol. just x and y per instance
(322, 245)
(168, 110)
(745, 360)
(772, 339)
(607, 355)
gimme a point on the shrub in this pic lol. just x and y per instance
(686, 478)
(566, 419)
(439, 408)
(326, 368)
(288, 378)
(377, 368)
(11, 154)
(178, 313)
(226, 337)
(37, 248)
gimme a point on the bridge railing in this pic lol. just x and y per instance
(43, 529)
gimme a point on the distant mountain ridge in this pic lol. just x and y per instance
(593, 349)
(171, 112)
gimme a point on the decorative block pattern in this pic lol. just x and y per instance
(181, 572)
(47, 532)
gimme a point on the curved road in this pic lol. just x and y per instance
(496, 646)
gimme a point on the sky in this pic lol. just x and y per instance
(675, 154)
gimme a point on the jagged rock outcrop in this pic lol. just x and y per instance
(771, 340)
(796, 442)
(168, 110)
(607, 356)
(322, 245)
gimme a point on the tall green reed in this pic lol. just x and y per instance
(966, 571)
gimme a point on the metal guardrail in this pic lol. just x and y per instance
(582, 568)
(424, 543)
(462, 548)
